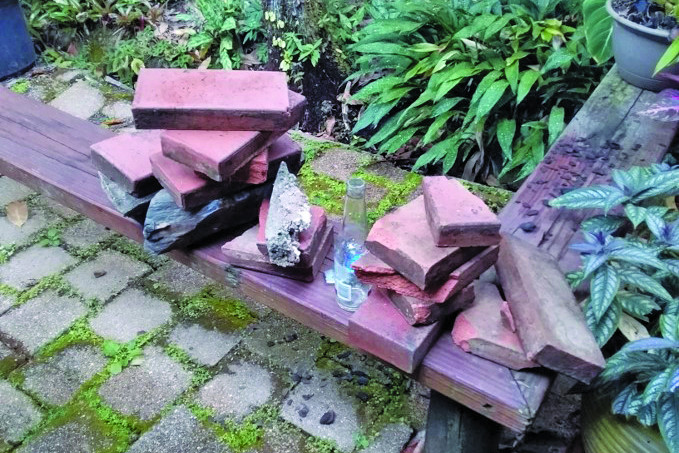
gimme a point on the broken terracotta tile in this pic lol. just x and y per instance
(124, 159)
(456, 216)
(548, 319)
(242, 252)
(402, 240)
(423, 312)
(480, 330)
(371, 269)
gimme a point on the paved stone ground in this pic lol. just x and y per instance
(106, 349)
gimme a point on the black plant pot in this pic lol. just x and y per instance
(16, 47)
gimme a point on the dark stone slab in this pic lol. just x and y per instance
(168, 227)
(126, 204)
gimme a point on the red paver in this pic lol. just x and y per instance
(216, 154)
(548, 319)
(371, 269)
(125, 160)
(456, 216)
(481, 330)
(191, 190)
(217, 100)
(242, 252)
(402, 240)
(379, 328)
(422, 312)
(309, 239)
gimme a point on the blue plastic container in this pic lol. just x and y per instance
(16, 47)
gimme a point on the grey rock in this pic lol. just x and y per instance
(130, 314)
(178, 432)
(167, 226)
(39, 321)
(58, 208)
(18, 414)
(340, 163)
(289, 215)
(85, 233)
(57, 379)
(237, 393)
(69, 76)
(391, 439)
(34, 263)
(146, 389)
(9, 360)
(72, 437)
(11, 190)
(206, 347)
(81, 99)
(126, 204)
(327, 397)
(118, 271)
(120, 110)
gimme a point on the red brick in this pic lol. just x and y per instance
(216, 154)
(422, 312)
(480, 330)
(377, 327)
(124, 159)
(456, 216)
(218, 100)
(191, 190)
(309, 239)
(242, 252)
(548, 319)
(374, 271)
(402, 240)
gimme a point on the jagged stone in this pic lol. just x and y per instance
(128, 205)
(168, 227)
(289, 215)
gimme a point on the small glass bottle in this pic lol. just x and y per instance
(349, 246)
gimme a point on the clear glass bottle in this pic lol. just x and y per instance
(349, 246)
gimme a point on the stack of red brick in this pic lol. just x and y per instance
(424, 255)
(211, 141)
(425, 259)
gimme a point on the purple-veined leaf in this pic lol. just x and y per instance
(603, 288)
(666, 107)
(603, 328)
(644, 282)
(636, 214)
(669, 326)
(656, 386)
(668, 420)
(627, 402)
(648, 414)
(593, 197)
(648, 344)
(638, 255)
(608, 224)
(637, 305)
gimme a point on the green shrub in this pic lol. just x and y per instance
(482, 87)
(631, 261)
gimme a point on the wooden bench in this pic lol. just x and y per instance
(48, 151)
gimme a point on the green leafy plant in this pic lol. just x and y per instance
(598, 29)
(50, 238)
(486, 86)
(121, 355)
(631, 261)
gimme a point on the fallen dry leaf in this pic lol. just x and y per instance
(17, 212)
(112, 122)
(631, 328)
(206, 63)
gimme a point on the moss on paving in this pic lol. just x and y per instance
(21, 86)
(210, 308)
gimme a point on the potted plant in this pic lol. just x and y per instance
(631, 261)
(638, 33)
(16, 47)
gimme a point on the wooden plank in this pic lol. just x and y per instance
(452, 428)
(607, 133)
(377, 327)
(49, 151)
